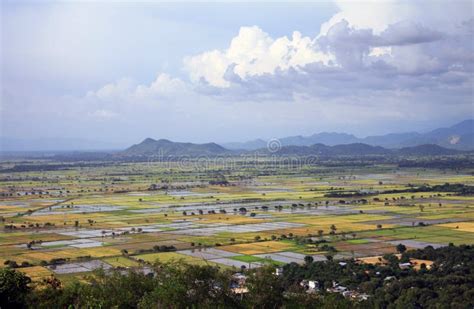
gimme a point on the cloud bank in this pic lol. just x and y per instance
(372, 67)
(379, 46)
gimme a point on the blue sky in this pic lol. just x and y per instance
(123, 71)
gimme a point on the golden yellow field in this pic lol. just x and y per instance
(258, 248)
(36, 273)
(462, 226)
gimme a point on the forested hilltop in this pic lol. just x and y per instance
(390, 283)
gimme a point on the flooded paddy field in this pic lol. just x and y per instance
(146, 213)
(75, 209)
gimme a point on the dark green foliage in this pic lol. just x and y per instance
(265, 289)
(181, 285)
(13, 288)
(401, 248)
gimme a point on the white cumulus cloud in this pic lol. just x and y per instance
(164, 86)
(252, 53)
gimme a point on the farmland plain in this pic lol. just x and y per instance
(67, 222)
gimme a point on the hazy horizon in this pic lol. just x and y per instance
(83, 144)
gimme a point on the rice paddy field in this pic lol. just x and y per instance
(71, 221)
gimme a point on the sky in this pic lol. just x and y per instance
(121, 71)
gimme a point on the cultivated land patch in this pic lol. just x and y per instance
(79, 267)
(415, 244)
(36, 273)
(461, 226)
(284, 257)
(240, 228)
(258, 247)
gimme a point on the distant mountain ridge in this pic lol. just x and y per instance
(426, 150)
(459, 136)
(359, 149)
(162, 147)
(165, 147)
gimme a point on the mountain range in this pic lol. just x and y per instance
(165, 148)
(359, 149)
(459, 136)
